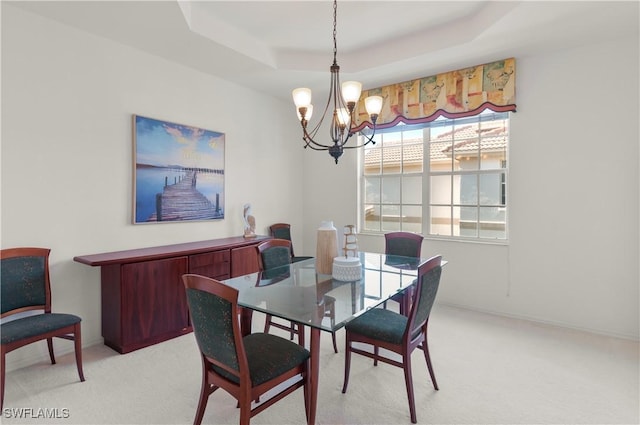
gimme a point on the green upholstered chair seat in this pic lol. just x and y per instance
(39, 324)
(268, 356)
(380, 324)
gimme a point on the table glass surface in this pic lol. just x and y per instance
(297, 292)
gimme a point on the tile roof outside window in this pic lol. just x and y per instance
(492, 140)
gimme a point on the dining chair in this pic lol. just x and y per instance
(283, 231)
(405, 244)
(246, 367)
(274, 253)
(25, 296)
(381, 328)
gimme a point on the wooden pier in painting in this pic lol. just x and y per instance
(182, 201)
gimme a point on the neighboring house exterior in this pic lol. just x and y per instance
(467, 175)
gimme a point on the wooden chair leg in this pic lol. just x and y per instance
(376, 350)
(294, 329)
(425, 349)
(347, 364)
(306, 391)
(408, 379)
(245, 413)
(77, 339)
(335, 344)
(404, 303)
(300, 331)
(205, 390)
(202, 403)
(267, 323)
(50, 346)
(2, 369)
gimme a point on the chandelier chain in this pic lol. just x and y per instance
(335, 20)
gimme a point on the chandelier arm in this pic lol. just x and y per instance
(309, 136)
(309, 142)
(369, 139)
(337, 133)
(324, 148)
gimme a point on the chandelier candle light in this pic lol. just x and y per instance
(343, 102)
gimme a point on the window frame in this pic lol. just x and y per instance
(501, 172)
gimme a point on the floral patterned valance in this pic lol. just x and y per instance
(454, 94)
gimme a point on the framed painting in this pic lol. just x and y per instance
(178, 172)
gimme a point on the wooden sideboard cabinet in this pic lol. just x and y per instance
(143, 297)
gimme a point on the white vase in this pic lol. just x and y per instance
(327, 247)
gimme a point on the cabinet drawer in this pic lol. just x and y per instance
(212, 264)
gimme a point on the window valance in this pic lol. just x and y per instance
(453, 94)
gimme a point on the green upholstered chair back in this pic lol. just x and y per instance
(274, 253)
(276, 257)
(213, 318)
(24, 280)
(281, 231)
(425, 293)
(403, 244)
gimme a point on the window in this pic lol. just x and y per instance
(446, 178)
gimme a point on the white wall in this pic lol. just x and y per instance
(67, 102)
(572, 257)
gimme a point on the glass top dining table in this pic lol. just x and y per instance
(296, 292)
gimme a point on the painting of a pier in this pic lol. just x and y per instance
(178, 173)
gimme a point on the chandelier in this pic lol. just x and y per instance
(343, 103)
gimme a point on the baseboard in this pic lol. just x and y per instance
(602, 332)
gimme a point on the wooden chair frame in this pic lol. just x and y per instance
(292, 328)
(403, 298)
(72, 332)
(273, 230)
(243, 392)
(270, 243)
(404, 349)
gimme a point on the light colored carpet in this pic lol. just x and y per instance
(491, 370)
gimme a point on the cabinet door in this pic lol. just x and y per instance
(211, 264)
(154, 301)
(244, 260)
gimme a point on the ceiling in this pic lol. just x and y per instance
(276, 46)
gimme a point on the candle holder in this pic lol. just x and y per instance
(345, 268)
(350, 240)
